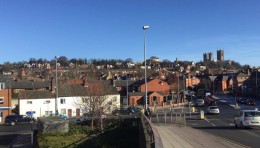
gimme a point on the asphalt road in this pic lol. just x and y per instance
(222, 125)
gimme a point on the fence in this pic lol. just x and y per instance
(175, 115)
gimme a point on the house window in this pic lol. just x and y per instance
(29, 102)
(1, 100)
(62, 101)
(2, 86)
(47, 113)
(47, 102)
(63, 111)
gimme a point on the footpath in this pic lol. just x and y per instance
(180, 136)
(176, 136)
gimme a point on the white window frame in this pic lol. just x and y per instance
(1, 100)
(28, 102)
(2, 86)
(63, 111)
(62, 101)
(47, 102)
(47, 113)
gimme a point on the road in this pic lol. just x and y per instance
(222, 125)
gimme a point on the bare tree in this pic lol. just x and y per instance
(101, 99)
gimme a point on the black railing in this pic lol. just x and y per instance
(149, 136)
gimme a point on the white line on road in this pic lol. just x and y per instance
(210, 122)
(222, 100)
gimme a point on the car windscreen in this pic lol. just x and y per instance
(213, 107)
(252, 114)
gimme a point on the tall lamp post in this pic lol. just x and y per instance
(145, 79)
(57, 93)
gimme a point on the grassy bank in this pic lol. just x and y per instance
(117, 134)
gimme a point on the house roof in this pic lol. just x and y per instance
(123, 83)
(136, 93)
(143, 93)
(35, 94)
(71, 90)
(28, 84)
(242, 75)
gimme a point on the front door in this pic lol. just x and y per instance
(69, 112)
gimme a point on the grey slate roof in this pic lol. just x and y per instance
(29, 84)
(35, 94)
(71, 90)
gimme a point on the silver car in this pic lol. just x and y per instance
(247, 118)
(212, 110)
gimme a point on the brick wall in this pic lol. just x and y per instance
(7, 102)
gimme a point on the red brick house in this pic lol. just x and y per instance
(5, 103)
(156, 90)
(137, 98)
(156, 85)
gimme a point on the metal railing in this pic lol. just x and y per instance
(150, 137)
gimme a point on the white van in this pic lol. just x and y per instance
(247, 118)
(200, 102)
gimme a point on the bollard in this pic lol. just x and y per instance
(193, 109)
(201, 114)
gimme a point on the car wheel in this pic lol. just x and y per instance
(130, 113)
(117, 114)
(12, 123)
(31, 121)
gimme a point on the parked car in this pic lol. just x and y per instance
(88, 116)
(14, 119)
(250, 102)
(123, 111)
(135, 109)
(242, 100)
(247, 118)
(200, 102)
(62, 116)
(212, 110)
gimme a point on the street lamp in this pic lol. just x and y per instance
(145, 79)
(56, 99)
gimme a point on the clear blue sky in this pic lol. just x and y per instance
(112, 29)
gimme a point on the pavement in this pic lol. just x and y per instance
(176, 136)
(180, 136)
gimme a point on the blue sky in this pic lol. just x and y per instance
(112, 29)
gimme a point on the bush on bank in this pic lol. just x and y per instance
(116, 134)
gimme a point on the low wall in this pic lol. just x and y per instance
(52, 125)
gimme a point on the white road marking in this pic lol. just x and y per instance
(222, 100)
(210, 122)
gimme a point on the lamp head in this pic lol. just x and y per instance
(145, 27)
